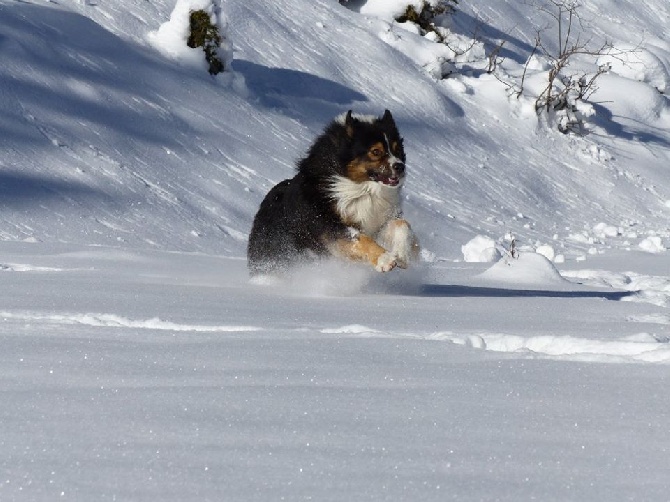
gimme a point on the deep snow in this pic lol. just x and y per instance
(165, 376)
(139, 362)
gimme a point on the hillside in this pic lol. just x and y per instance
(160, 155)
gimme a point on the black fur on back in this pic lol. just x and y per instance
(297, 219)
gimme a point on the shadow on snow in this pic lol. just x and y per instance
(446, 291)
(276, 87)
(19, 190)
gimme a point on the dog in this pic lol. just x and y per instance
(344, 201)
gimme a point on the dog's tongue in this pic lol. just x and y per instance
(389, 180)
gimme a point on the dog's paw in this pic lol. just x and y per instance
(401, 242)
(407, 253)
(402, 262)
(386, 262)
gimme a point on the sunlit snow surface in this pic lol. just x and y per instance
(168, 376)
(138, 362)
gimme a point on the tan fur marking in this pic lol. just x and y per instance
(363, 248)
(376, 151)
(358, 171)
(376, 160)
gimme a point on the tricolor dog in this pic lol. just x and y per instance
(344, 201)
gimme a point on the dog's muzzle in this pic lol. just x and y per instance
(398, 169)
(397, 174)
(390, 175)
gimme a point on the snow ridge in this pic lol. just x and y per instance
(641, 348)
(116, 321)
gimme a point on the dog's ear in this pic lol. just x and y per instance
(349, 124)
(388, 118)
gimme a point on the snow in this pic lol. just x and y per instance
(171, 36)
(480, 249)
(638, 63)
(139, 362)
(652, 244)
(526, 268)
(390, 9)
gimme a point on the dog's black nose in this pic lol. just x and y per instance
(399, 167)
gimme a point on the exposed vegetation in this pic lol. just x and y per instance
(425, 17)
(564, 91)
(562, 99)
(206, 35)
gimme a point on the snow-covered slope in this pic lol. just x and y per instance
(110, 141)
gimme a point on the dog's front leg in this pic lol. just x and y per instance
(361, 247)
(397, 236)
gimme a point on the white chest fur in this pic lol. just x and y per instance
(368, 205)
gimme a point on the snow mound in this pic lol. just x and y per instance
(528, 269)
(652, 244)
(391, 9)
(636, 348)
(604, 231)
(350, 329)
(547, 251)
(480, 249)
(631, 99)
(637, 63)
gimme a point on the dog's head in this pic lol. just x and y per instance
(375, 151)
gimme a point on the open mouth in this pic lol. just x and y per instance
(392, 181)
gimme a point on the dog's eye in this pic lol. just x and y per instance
(376, 152)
